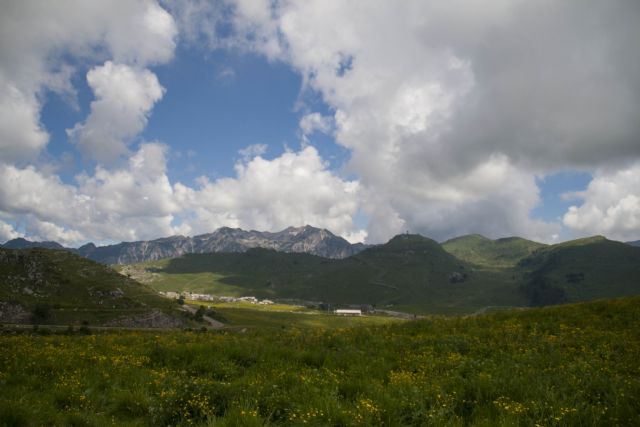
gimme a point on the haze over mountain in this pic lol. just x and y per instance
(305, 239)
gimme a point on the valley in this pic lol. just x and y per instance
(413, 273)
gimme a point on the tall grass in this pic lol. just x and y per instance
(570, 365)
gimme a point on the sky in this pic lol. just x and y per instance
(124, 120)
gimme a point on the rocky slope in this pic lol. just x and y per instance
(305, 239)
(48, 286)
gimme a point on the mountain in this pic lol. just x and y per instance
(635, 243)
(58, 287)
(408, 270)
(413, 272)
(581, 270)
(21, 243)
(481, 251)
(305, 239)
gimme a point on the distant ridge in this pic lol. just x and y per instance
(306, 239)
(634, 243)
(21, 243)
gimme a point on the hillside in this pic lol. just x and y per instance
(408, 270)
(57, 287)
(582, 270)
(483, 252)
(414, 273)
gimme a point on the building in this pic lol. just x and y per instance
(344, 312)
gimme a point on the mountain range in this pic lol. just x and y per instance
(306, 239)
(414, 273)
(410, 272)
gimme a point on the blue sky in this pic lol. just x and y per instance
(265, 115)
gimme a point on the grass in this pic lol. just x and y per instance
(483, 252)
(72, 288)
(241, 315)
(557, 366)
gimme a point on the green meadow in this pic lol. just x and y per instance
(244, 315)
(556, 366)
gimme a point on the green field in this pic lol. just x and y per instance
(557, 366)
(242, 315)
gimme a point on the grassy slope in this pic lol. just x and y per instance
(409, 270)
(587, 269)
(483, 252)
(75, 288)
(557, 366)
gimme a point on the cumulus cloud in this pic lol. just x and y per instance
(7, 232)
(610, 205)
(21, 135)
(252, 151)
(293, 189)
(449, 110)
(315, 122)
(129, 203)
(437, 100)
(35, 39)
(139, 202)
(125, 97)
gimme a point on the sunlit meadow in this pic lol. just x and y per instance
(570, 365)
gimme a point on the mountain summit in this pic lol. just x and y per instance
(305, 239)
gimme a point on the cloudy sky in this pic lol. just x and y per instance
(129, 120)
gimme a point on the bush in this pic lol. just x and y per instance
(41, 313)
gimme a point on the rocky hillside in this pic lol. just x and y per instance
(305, 239)
(58, 287)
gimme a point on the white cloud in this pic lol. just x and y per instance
(125, 97)
(451, 109)
(21, 135)
(138, 201)
(35, 37)
(48, 231)
(7, 232)
(252, 151)
(131, 203)
(293, 189)
(611, 205)
(315, 122)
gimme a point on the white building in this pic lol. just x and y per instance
(344, 312)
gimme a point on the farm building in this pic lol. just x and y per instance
(343, 312)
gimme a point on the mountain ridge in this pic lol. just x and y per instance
(305, 239)
(413, 272)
